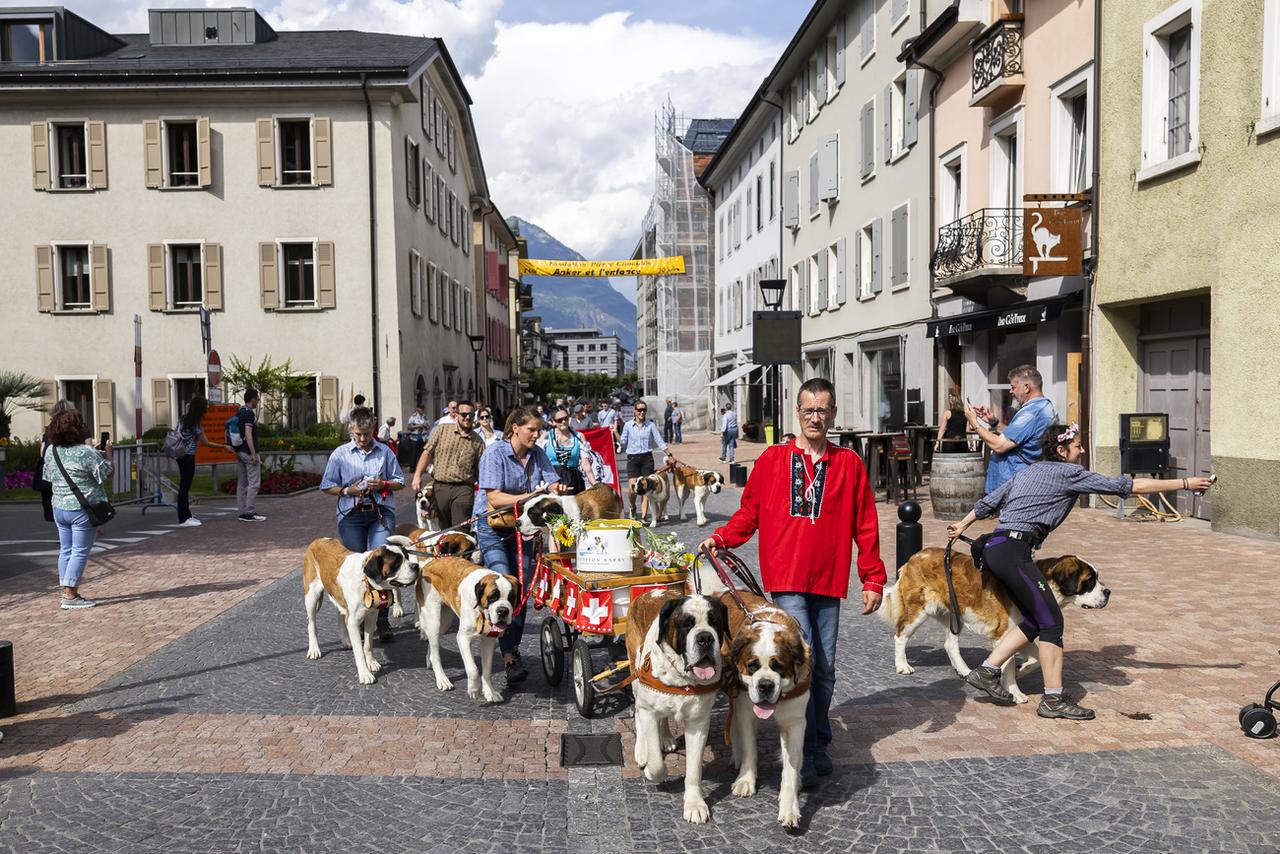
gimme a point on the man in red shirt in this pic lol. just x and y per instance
(811, 502)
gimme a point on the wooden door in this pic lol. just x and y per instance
(1169, 385)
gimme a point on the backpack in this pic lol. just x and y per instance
(234, 439)
(175, 446)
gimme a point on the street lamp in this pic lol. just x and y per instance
(771, 292)
(477, 344)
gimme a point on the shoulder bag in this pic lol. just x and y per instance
(100, 512)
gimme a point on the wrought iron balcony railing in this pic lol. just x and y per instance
(989, 237)
(997, 56)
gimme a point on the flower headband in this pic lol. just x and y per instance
(1069, 434)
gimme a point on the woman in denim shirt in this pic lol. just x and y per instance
(88, 468)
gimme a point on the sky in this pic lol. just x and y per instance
(565, 91)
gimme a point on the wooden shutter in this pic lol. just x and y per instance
(857, 261)
(155, 277)
(433, 293)
(840, 50)
(823, 299)
(213, 276)
(104, 404)
(268, 278)
(45, 300)
(790, 118)
(886, 122)
(325, 294)
(791, 199)
(40, 155)
(160, 414)
(99, 277)
(424, 104)
(266, 152)
(899, 9)
(96, 136)
(911, 107)
(877, 243)
(204, 154)
(152, 156)
(750, 217)
(829, 167)
(323, 129)
(813, 183)
(328, 399)
(802, 273)
(429, 188)
(867, 30)
(841, 261)
(865, 121)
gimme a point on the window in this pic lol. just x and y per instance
(415, 283)
(865, 260)
(299, 274)
(185, 389)
(897, 107)
(1006, 160)
(74, 290)
(759, 202)
(811, 89)
(412, 172)
(1071, 155)
(71, 164)
(1171, 90)
(26, 41)
(295, 151)
(80, 394)
(183, 154)
(773, 207)
(831, 65)
(429, 188)
(951, 198)
(186, 286)
(433, 294)
(835, 284)
(720, 235)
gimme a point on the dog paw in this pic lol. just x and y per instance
(702, 523)
(444, 684)
(669, 744)
(1019, 697)
(367, 679)
(374, 666)
(491, 695)
(396, 611)
(653, 523)
(744, 787)
(789, 815)
(905, 669)
(695, 810)
(962, 672)
(313, 652)
(656, 772)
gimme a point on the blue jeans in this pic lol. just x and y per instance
(678, 427)
(75, 538)
(819, 619)
(364, 531)
(498, 553)
(728, 441)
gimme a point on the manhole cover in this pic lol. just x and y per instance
(586, 750)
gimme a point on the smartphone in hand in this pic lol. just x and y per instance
(103, 440)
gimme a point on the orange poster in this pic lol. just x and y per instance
(215, 430)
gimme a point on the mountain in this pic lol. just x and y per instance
(570, 302)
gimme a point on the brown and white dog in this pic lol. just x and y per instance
(676, 640)
(424, 504)
(357, 584)
(985, 604)
(654, 486)
(450, 544)
(596, 502)
(700, 483)
(485, 603)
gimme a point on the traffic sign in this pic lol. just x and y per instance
(215, 369)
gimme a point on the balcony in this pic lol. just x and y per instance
(997, 61)
(980, 256)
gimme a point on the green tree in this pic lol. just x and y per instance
(276, 384)
(18, 391)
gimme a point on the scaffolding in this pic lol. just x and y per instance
(674, 312)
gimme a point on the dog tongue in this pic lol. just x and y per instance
(704, 671)
(764, 711)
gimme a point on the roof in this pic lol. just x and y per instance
(704, 136)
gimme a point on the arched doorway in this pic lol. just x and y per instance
(420, 391)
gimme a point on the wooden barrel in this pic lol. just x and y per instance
(956, 482)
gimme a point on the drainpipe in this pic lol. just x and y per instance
(373, 244)
(933, 184)
(776, 387)
(1087, 328)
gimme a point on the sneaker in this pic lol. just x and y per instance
(822, 764)
(1062, 706)
(516, 672)
(252, 517)
(722, 459)
(76, 603)
(192, 522)
(985, 680)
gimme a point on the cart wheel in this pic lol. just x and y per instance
(584, 693)
(552, 643)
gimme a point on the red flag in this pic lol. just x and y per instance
(596, 613)
(557, 594)
(541, 585)
(601, 441)
(572, 602)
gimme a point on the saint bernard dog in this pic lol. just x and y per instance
(597, 502)
(358, 584)
(436, 544)
(485, 603)
(673, 642)
(699, 482)
(985, 605)
(657, 489)
(769, 673)
(424, 504)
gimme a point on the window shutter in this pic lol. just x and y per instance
(323, 174)
(886, 116)
(424, 105)
(820, 85)
(100, 277)
(791, 199)
(328, 399)
(857, 260)
(40, 155)
(877, 242)
(866, 121)
(867, 30)
(894, 268)
(791, 112)
(96, 136)
(840, 50)
(822, 298)
(204, 153)
(813, 183)
(155, 276)
(104, 403)
(452, 158)
(160, 413)
(803, 270)
(44, 279)
(750, 217)
(433, 294)
(325, 294)
(268, 279)
(911, 107)
(152, 159)
(213, 276)
(829, 167)
(899, 9)
(841, 260)
(266, 152)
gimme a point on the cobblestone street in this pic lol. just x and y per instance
(182, 715)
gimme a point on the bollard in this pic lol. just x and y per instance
(737, 474)
(910, 533)
(8, 706)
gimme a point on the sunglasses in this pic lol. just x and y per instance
(559, 420)
(462, 414)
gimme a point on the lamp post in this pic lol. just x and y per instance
(477, 344)
(771, 292)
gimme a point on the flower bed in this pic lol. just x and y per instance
(18, 480)
(278, 482)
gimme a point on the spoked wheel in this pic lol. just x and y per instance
(551, 639)
(584, 693)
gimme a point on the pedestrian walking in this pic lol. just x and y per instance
(580, 419)
(248, 460)
(455, 449)
(667, 432)
(485, 429)
(811, 503)
(192, 435)
(387, 432)
(638, 441)
(728, 433)
(418, 423)
(1018, 446)
(356, 403)
(568, 454)
(76, 473)
(1029, 506)
(449, 417)
(952, 438)
(365, 476)
(677, 423)
(512, 471)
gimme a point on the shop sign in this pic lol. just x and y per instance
(1052, 241)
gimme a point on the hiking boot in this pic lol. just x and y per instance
(808, 774)
(988, 681)
(1062, 706)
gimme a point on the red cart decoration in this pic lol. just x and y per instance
(596, 613)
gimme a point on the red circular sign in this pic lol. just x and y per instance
(214, 368)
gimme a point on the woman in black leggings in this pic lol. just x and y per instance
(1037, 500)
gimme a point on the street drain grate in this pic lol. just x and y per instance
(577, 751)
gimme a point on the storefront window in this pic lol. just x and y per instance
(888, 404)
(1008, 351)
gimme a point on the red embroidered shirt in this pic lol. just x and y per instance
(809, 515)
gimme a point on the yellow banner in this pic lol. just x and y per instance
(644, 267)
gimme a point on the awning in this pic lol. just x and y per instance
(734, 375)
(1023, 314)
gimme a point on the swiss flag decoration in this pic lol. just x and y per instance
(572, 602)
(641, 589)
(601, 441)
(541, 585)
(557, 594)
(596, 613)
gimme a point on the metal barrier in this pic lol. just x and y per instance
(124, 479)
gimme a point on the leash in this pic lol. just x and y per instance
(955, 623)
(537, 560)
(739, 569)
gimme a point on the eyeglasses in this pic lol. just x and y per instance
(816, 412)
(466, 414)
(641, 409)
(485, 417)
